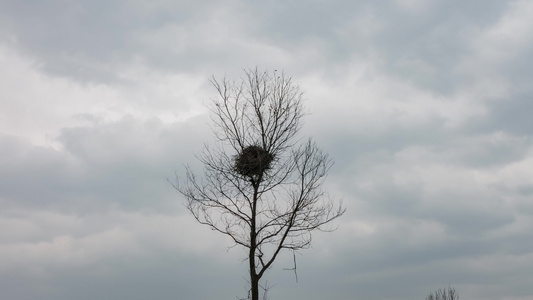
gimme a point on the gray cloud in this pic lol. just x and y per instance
(123, 163)
(423, 105)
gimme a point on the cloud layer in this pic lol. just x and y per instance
(424, 106)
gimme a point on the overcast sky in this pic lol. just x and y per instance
(424, 105)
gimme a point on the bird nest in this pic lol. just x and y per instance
(253, 160)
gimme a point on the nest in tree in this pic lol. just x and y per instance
(253, 160)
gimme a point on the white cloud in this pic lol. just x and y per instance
(416, 6)
(42, 240)
(36, 106)
(508, 37)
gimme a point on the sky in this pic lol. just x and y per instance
(424, 106)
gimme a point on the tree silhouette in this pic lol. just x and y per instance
(262, 187)
(444, 294)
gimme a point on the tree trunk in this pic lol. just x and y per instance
(254, 278)
(255, 287)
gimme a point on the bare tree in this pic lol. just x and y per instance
(444, 294)
(262, 186)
